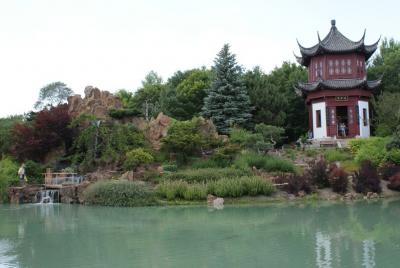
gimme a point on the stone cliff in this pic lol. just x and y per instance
(95, 102)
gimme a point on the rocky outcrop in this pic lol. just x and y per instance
(25, 194)
(158, 129)
(207, 128)
(73, 194)
(95, 102)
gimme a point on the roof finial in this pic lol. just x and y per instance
(333, 23)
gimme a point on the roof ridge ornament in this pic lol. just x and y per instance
(333, 23)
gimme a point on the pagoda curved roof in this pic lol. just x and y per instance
(335, 43)
(338, 84)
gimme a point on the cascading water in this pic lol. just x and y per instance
(48, 196)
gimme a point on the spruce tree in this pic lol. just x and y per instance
(227, 102)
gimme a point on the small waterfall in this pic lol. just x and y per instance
(48, 196)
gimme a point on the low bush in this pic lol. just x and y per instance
(267, 163)
(185, 139)
(394, 182)
(393, 156)
(8, 177)
(225, 187)
(318, 173)
(334, 155)
(206, 174)
(366, 179)
(388, 170)
(338, 179)
(122, 113)
(170, 168)
(239, 135)
(372, 149)
(236, 187)
(171, 190)
(224, 156)
(350, 166)
(311, 152)
(295, 183)
(197, 191)
(205, 163)
(119, 193)
(137, 157)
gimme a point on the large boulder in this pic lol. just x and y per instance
(95, 102)
(158, 129)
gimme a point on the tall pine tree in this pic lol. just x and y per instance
(227, 102)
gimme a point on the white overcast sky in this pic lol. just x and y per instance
(113, 44)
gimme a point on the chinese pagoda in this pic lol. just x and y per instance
(337, 93)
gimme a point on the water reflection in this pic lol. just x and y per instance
(281, 235)
(368, 254)
(323, 250)
(7, 258)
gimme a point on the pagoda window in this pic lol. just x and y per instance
(318, 118)
(320, 69)
(316, 70)
(349, 71)
(330, 63)
(343, 69)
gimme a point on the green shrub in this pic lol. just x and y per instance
(239, 135)
(270, 133)
(104, 143)
(224, 156)
(170, 168)
(204, 163)
(236, 187)
(311, 152)
(197, 191)
(34, 172)
(267, 163)
(8, 177)
(183, 139)
(393, 156)
(171, 189)
(122, 113)
(206, 174)
(225, 187)
(137, 157)
(119, 193)
(263, 139)
(333, 155)
(372, 149)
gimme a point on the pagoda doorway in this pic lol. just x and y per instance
(342, 121)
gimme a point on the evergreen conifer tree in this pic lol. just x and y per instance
(227, 102)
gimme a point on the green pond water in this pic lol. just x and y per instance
(362, 234)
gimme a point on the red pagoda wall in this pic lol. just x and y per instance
(322, 70)
(335, 98)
